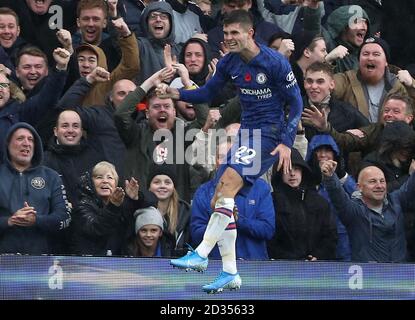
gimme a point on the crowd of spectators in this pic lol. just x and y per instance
(93, 162)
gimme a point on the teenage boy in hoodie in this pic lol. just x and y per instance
(305, 227)
(322, 147)
(33, 205)
(91, 56)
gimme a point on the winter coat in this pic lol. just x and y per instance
(373, 236)
(397, 30)
(71, 161)
(342, 117)
(97, 227)
(151, 50)
(98, 123)
(138, 139)
(131, 11)
(42, 189)
(33, 109)
(349, 142)
(396, 137)
(126, 69)
(350, 88)
(337, 22)
(184, 7)
(304, 222)
(343, 250)
(177, 241)
(40, 30)
(186, 20)
(226, 93)
(255, 224)
(292, 22)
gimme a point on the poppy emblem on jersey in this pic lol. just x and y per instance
(290, 77)
(247, 77)
(38, 183)
(261, 78)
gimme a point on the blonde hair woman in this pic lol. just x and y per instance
(104, 214)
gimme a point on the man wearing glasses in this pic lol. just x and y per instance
(157, 23)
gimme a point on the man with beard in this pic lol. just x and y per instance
(367, 87)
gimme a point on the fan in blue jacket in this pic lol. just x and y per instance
(323, 147)
(33, 205)
(255, 222)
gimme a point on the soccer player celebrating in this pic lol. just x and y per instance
(266, 86)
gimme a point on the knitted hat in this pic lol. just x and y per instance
(147, 216)
(382, 43)
(162, 169)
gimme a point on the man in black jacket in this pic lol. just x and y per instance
(97, 120)
(319, 85)
(69, 153)
(306, 230)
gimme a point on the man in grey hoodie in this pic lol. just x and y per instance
(346, 26)
(157, 23)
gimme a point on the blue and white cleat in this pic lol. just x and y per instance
(224, 281)
(191, 261)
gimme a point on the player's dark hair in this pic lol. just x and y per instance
(244, 18)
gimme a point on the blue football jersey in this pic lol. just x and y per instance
(265, 84)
